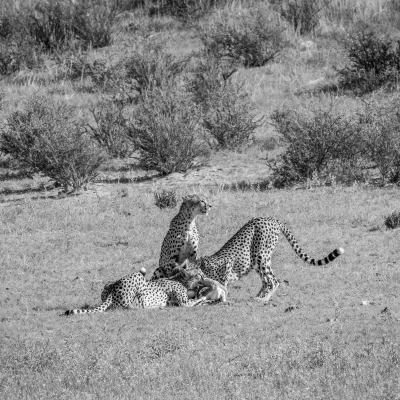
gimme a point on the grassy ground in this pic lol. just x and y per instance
(328, 333)
(315, 339)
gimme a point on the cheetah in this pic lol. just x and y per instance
(134, 287)
(199, 286)
(251, 248)
(182, 240)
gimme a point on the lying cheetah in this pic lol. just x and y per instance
(182, 240)
(251, 248)
(134, 287)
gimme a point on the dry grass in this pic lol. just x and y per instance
(315, 339)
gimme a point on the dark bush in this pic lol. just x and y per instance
(230, 119)
(228, 115)
(248, 37)
(302, 14)
(59, 24)
(167, 131)
(89, 74)
(380, 122)
(110, 129)
(315, 143)
(151, 67)
(17, 54)
(47, 138)
(392, 220)
(374, 61)
(186, 10)
(165, 199)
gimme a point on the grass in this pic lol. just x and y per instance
(315, 339)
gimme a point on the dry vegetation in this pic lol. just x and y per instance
(297, 125)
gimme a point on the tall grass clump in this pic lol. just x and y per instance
(165, 199)
(380, 122)
(249, 37)
(188, 10)
(303, 15)
(228, 115)
(151, 67)
(374, 60)
(166, 130)
(60, 24)
(317, 142)
(110, 128)
(17, 51)
(46, 137)
(392, 221)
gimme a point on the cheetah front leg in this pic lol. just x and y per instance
(268, 280)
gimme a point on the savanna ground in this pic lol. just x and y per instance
(328, 333)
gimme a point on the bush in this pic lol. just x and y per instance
(380, 122)
(92, 74)
(56, 25)
(316, 142)
(249, 37)
(46, 137)
(374, 61)
(392, 220)
(188, 10)
(151, 68)
(227, 112)
(165, 199)
(111, 129)
(230, 121)
(17, 51)
(167, 132)
(17, 54)
(302, 14)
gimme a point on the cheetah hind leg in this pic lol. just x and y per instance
(269, 282)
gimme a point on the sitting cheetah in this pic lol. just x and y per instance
(252, 247)
(182, 240)
(133, 287)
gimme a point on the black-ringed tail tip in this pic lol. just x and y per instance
(340, 250)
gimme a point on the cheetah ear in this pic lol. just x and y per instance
(143, 271)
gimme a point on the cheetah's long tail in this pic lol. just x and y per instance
(101, 308)
(305, 257)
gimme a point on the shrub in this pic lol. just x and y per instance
(167, 132)
(249, 37)
(374, 61)
(111, 128)
(230, 121)
(302, 14)
(380, 121)
(58, 24)
(315, 142)
(47, 138)
(392, 220)
(227, 112)
(17, 51)
(188, 10)
(92, 74)
(17, 54)
(165, 199)
(150, 67)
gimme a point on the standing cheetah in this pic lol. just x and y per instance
(133, 287)
(251, 248)
(182, 240)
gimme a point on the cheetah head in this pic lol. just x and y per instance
(189, 278)
(196, 203)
